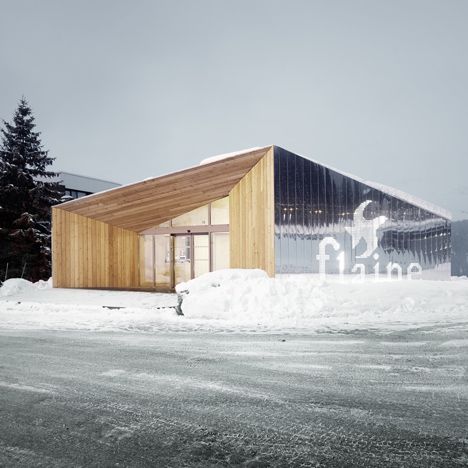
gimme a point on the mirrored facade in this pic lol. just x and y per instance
(360, 229)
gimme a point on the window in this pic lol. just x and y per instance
(196, 217)
(220, 211)
(76, 193)
(220, 250)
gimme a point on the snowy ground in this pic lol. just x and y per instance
(74, 309)
(332, 374)
(195, 399)
(256, 305)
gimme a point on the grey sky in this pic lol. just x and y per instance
(124, 90)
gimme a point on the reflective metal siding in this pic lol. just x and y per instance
(313, 202)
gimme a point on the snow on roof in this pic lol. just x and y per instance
(219, 157)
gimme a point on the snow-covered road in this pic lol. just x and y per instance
(263, 372)
(191, 399)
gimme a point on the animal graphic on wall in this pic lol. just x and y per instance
(366, 229)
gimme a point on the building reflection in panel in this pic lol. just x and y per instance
(373, 228)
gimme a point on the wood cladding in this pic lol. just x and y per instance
(251, 215)
(145, 204)
(90, 254)
(95, 240)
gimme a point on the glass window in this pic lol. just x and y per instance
(220, 211)
(196, 217)
(220, 250)
(147, 260)
(182, 259)
(201, 254)
(162, 260)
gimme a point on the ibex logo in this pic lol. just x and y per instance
(362, 229)
(366, 229)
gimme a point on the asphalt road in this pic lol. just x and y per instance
(185, 399)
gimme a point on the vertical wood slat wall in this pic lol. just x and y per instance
(87, 253)
(251, 218)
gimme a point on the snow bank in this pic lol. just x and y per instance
(26, 305)
(240, 301)
(216, 278)
(50, 316)
(18, 285)
(251, 297)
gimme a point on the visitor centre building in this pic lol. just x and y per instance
(262, 208)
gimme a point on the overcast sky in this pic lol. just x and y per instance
(124, 90)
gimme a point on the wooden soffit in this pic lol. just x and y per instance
(142, 205)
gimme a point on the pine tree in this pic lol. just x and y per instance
(26, 195)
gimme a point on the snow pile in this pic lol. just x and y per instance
(15, 286)
(240, 301)
(251, 297)
(216, 278)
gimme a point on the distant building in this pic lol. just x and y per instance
(77, 186)
(460, 248)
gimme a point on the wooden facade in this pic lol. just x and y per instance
(91, 254)
(251, 210)
(95, 239)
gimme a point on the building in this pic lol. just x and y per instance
(260, 208)
(460, 248)
(77, 186)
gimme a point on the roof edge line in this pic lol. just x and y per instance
(181, 171)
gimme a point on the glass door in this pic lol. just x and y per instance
(169, 259)
(191, 256)
(201, 254)
(182, 258)
(163, 261)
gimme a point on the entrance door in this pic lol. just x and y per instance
(201, 254)
(169, 259)
(182, 258)
(191, 256)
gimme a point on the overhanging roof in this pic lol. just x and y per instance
(142, 205)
